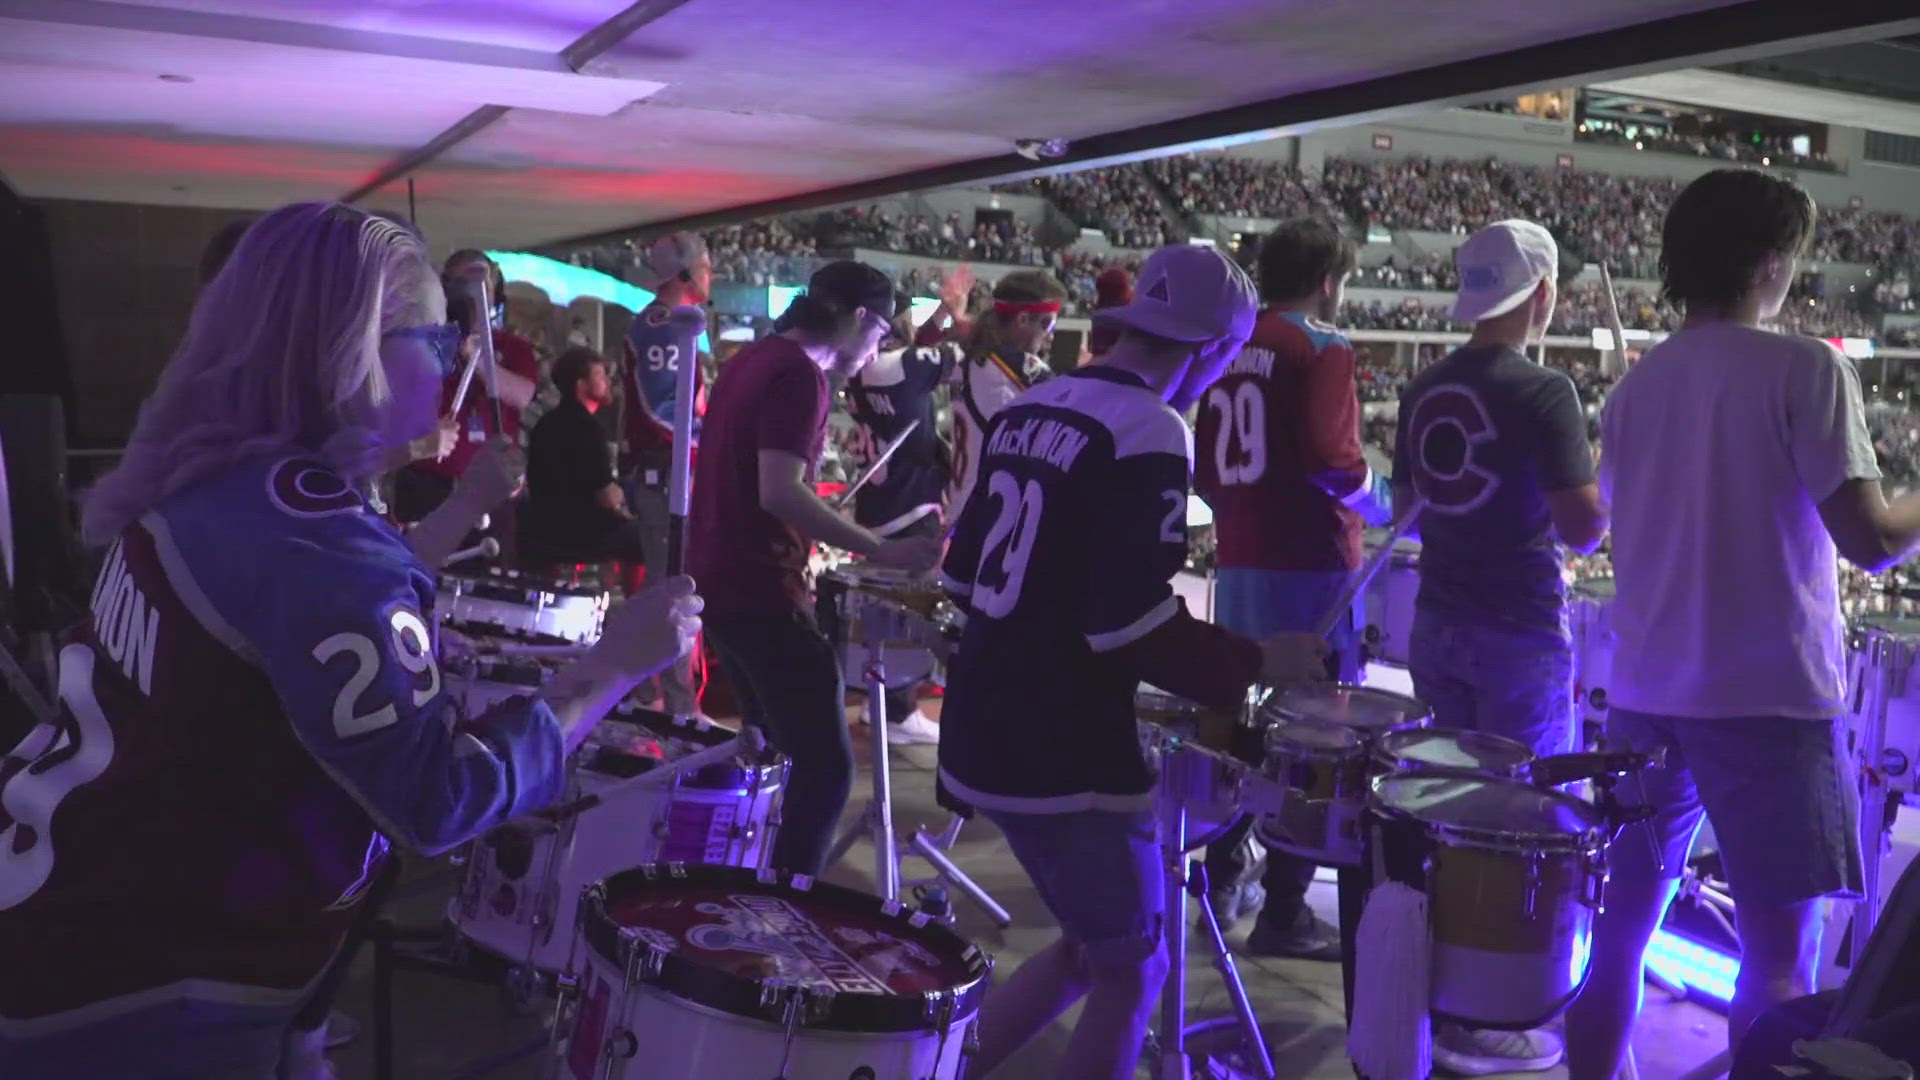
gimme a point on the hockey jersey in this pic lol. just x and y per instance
(654, 352)
(253, 712)
(981, 388)
(895, 391)
(1064, 555)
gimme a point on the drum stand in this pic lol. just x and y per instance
(1187, 876)
(877, 820)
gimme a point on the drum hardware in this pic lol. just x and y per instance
(876, 626)
(1184, 877)
(1322, 748)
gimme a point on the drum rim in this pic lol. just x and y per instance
(1356, 744)
(1589, 841)
(755, 998)
(1422, 718)
(1385, 747)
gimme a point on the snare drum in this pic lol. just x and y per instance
(1389, 601)
(1418, 749)
(522, 879)
(510, 604)
(705, 971)
(1206, 784)
(861, 606)
(1592, 619)
(1513, 876)
(1321, 747)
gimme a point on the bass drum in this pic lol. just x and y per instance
(708, 971)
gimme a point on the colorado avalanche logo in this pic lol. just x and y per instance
(739, 931)
(308, 489)
(1448, 423)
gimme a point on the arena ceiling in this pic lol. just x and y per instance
(524, 122)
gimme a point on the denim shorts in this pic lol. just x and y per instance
(1099, 873)
(1778, 789)
(1493, 679)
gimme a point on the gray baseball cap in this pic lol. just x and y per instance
(1188, 292)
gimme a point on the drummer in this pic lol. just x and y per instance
(1287, 498)
(1497, 445)
(1063, 560)
(255, 713)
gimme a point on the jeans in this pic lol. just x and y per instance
(1492, 679)
(1259, 604)
(787, 677)
(654, 523)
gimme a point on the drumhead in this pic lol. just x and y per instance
(1594, 588)
(1478, 751)
(722, 934)
(513, 586)
(1490, 810)
(1311, 736)
(1159, 706)
(1363, 708)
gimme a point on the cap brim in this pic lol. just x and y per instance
(1473, 307)
(1154, 320)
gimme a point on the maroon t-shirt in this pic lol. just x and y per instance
(770, 396)
(513, 353)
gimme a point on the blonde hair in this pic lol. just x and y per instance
(990, 335)
(281, 355)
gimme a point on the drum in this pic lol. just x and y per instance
(1389, 600)
(1513, 875)
(1417, 749)
(860, 606)
(707, 971)
(1591, 609)
(1173, 732)
(1881, 654)
(507, 603)
(522, 879)
(481, 682)
(1321, 747)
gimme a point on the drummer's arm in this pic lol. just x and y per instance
(1195, 660)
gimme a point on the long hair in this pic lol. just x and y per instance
(990, 336)
(282, 355)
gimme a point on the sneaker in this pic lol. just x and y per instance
(341, 1029)
(1309, 938)
(1472, 1052)
(1230, 905)
(916, 729)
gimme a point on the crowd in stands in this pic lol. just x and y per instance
(1427, 273)
(1582, 308)
(1238, 187)
(1770, 150)
(1010, 240)
(1894, 294)
(1418, 193)
(766, 252)
(1120, 201)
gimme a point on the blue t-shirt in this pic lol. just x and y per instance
(1484, 435)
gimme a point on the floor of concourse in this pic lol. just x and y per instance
(444, 1028)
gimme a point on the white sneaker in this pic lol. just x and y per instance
(1475, 1052)
(916, 729)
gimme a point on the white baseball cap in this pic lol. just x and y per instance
(1500, 266)
(669, 257)
(1188, 292)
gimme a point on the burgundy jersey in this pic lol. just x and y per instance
(1277, 434)
(252, 711)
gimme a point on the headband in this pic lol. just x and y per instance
(1023, 307)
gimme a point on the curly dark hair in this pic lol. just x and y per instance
(1722, 227)
(1296, 257)
(572, 366)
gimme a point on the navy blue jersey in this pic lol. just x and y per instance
(253, 712)
(1064, 553)
(891, 393)
(655, 351)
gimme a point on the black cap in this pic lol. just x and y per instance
(853, 284)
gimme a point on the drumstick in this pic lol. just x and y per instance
(1358, 580)
(845, 497)
(1614, 363)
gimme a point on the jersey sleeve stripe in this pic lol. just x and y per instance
(1046, 804)
(1361, 492)
(1139, 628)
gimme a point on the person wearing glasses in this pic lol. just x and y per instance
(254, 713)
(754, 516)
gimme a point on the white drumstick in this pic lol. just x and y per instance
(879, 463)
(485, 549)
(1359, 579)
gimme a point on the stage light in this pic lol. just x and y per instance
(1693, 965)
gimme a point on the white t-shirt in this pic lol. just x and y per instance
(981, 388)
(1716, 451)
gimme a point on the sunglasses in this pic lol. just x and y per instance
(444, 339)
